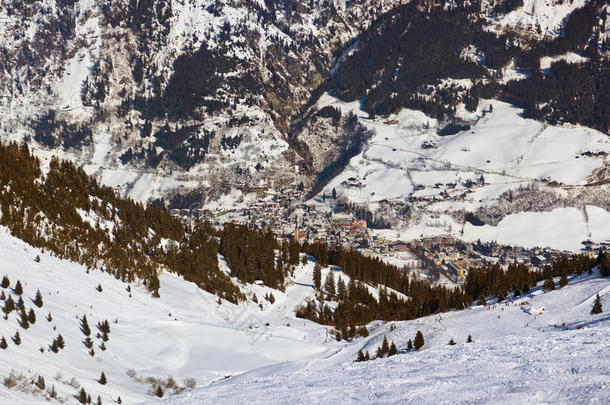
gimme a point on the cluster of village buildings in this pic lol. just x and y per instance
(446, 254)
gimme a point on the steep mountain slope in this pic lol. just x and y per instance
(173, 97)
(157, 95)
(186, 333)
(438, 59)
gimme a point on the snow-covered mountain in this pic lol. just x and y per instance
(153, 96)
(464, 120)
(206, 97)
(540, 347)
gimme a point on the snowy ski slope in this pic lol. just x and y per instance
(240, 353)
(518, 356)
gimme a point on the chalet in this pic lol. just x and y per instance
(538, 260)
(399, 247)
(342, 221)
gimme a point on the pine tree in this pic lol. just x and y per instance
(40, 382)
(54, 346)
(9, 305)
(385, 347)
(32, 316)
(52, 392)
(25, 323)
(341, 290)
(18, 288)
(85, 326)
(469, 340)
(360, 356)
(99, 288)
(481, 300)
(604, 264)
(99, 400)
(451, 342)
(549, 284)
(393, 350)
(597, 306)
(119, 400)
(5, 282)
(3, 344)
(563, 281)
(159, 391)
(17, 339)
(352, 331)
(329, 284)
(410, 345)
(367, 356)
(102, 379)
(60, 341)
(317, 277)
(38, 299)
(104, 326)
(418, 343)
(82, 396)
(2, 296)
(20, 304)
(379, 354)
(49, 317)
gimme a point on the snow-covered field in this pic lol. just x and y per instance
(407, 161)
(243, 354)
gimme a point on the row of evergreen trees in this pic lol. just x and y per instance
(123, 238)
(357, 306)
(518, 279)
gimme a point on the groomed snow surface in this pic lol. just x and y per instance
(518, 356)
(240, 354)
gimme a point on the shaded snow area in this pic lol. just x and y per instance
(515, 357)
(240, 353)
